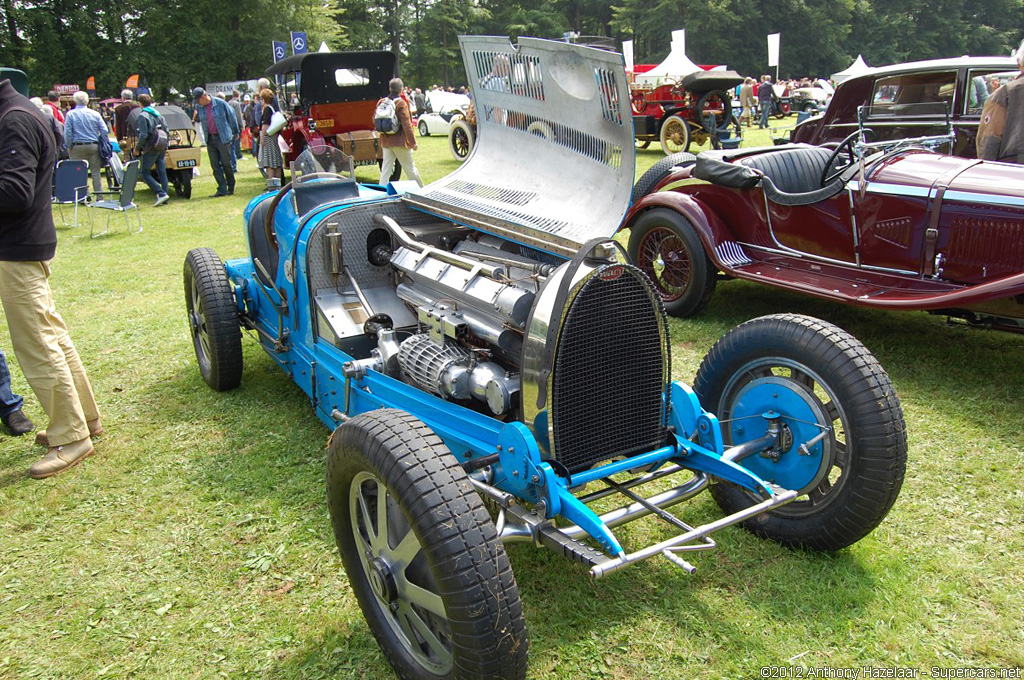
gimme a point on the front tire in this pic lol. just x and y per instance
(213, 319)
(421, 552)
(674, 135)
(666, 247)
(424, 130)
(817, 376)
(460, 140)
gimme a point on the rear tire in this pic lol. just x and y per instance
(186, 183)
(213, 319)
(798, 365)
(666, 247)
(421, 553)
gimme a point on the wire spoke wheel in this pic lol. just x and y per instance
(664, 245)
(674, 135)
(663, 257)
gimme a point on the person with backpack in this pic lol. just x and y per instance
(152, 148)
(392, 120)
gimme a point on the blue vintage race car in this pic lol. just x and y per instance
(492, 368)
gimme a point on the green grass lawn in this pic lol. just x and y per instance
(196, 543)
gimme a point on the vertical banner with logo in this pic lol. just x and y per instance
(773, 52)
(627, 55)
(132, 82)
(280, 50)
(90, 86)
(299, 42)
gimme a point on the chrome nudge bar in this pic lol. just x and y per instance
(518, 524)
(701, 532)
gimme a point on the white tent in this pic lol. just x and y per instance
(855, 69)
(675, 66)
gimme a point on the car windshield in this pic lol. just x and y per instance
(321, 175)
(322, 163)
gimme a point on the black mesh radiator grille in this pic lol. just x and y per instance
(610, 371)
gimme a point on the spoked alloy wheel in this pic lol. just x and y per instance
(404, 589)
(820, 379)
(213, 320)
(665, 246)
(421, 552)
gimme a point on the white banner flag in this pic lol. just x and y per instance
(679, 41)
(773, 49)
(627, 54)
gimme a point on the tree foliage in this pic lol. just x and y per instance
(178, 44)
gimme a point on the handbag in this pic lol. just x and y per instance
(277, 123)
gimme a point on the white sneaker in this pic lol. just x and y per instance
(160, 200)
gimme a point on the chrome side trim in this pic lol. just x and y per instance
(988, 199)
(890, 189)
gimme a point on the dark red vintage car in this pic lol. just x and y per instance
(888, 225)
(911, 100)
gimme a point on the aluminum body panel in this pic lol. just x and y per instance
(553, 163)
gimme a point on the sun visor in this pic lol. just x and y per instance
(554, 158)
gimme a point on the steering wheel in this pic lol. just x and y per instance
(268, 221)
(847, 144)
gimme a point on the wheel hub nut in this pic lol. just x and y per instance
(381, 580)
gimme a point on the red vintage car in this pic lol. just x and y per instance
(891, 225)
(335, 94)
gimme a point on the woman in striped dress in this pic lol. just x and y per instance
(269, 154)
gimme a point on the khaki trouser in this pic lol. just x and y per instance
(45, 353)
(404, 157)
(91, 154)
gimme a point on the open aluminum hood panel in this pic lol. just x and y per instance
(553, 163)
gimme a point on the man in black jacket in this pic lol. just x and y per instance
(28, 242)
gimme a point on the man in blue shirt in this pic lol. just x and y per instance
(220, 127)
(82, 129)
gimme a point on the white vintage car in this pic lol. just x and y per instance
(443, 107)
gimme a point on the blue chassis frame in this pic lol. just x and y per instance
(322, 371)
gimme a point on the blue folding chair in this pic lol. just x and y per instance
(71, 185)
(124, 201)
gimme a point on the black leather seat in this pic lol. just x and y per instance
(794, 170)
(259, 247)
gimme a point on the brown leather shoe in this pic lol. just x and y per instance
(95, 430)
(18, 423)
(61, 458)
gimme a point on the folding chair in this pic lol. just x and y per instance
(124, 201)
(71, 185)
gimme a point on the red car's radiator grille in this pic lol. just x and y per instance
(994, 244)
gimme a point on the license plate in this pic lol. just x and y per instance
(185, 164)
(325, 123)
